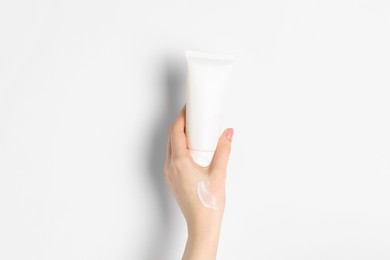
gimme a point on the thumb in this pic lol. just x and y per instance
(222, 152)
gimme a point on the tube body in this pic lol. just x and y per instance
(207, 81)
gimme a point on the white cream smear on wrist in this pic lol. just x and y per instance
(205, 196)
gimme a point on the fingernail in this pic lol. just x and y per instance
(229, 134)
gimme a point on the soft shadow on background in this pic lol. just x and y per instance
(172, 80)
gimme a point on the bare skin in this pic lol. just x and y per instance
(183, 175)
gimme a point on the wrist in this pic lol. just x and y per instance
(202, 242)
(205, 225)
(202, 246)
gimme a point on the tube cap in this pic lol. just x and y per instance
(202, 158)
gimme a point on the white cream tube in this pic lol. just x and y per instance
(207, 82)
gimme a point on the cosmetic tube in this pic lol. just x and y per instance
(208, 78)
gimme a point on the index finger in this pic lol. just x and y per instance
(178, 136)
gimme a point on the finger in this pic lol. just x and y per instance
(222, 153)
(178, 136)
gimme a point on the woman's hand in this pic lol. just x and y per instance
(199, 191)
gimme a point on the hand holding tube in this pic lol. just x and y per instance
(199, 191)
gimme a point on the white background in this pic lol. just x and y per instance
(88, 90)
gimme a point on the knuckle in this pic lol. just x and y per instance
(180, 161)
